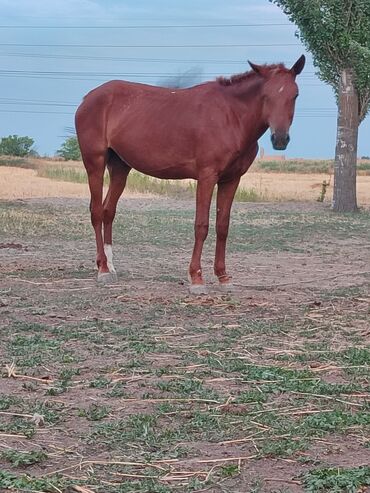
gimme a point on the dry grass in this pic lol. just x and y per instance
(18, 183)
(286, 186)
(21, 183)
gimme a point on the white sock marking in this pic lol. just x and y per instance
(109, 253)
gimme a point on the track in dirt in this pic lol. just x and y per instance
(140, 387)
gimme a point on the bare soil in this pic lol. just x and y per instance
(230, 382)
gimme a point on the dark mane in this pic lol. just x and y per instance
(237, 78)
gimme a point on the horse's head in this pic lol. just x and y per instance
(279, 93)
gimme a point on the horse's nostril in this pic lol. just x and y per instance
(280, 141)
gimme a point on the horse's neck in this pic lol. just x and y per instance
(248, 104)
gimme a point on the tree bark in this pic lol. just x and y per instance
(344, 199)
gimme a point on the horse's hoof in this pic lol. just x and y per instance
(198, 289)
(105, 278)
(226, 287)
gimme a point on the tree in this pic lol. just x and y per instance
(13, 145)
(337, 32)
(70, 150)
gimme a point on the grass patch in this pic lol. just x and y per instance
(249, 195)
(305, 166)
(140, 183)
(137, 182)
(337, 480)
(60, 172)
(13, 482)
(363, 167)
(95, 412)
(18, 458)
(34, 350)
(7, 401)
(282, 448)
(14, 162)
(295, 166)
(18, 426)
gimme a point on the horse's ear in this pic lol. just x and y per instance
(298, 66)
(256, 68)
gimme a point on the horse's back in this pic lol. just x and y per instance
(120, 89)
(118, 100)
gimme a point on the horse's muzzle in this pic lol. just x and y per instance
(280, 141)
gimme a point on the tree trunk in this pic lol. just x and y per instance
(344, 199)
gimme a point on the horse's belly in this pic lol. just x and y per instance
(178, 172)
(153, 165)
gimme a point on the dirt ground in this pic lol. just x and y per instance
(140, 387)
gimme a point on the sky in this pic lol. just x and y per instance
(52, 52)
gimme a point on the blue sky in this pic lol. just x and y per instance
(42, 82)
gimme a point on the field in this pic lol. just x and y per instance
(267, 181)
(139, 387)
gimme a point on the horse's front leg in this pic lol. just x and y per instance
(225, 196)
(205, 188)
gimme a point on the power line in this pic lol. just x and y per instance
(37, 112)
(40, 101)
(115, 74)
(147, 78)
(152, 45)
(152, 26)
(39, 104)
(129, 59)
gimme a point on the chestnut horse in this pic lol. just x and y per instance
(208, 132)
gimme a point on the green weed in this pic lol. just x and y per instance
(229, 470)
(95, 412)
(337, 480)
(283, 447)
(9, 481)
(6, 401)
(19, 458)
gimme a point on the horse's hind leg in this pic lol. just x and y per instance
(118, 172)
(95, 166)
(225, 196)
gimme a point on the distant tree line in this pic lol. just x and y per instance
(13, 145)
(70, 150)
(22, 146)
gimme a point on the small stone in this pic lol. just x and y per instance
(38, 419)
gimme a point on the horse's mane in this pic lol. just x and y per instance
(237, 78)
